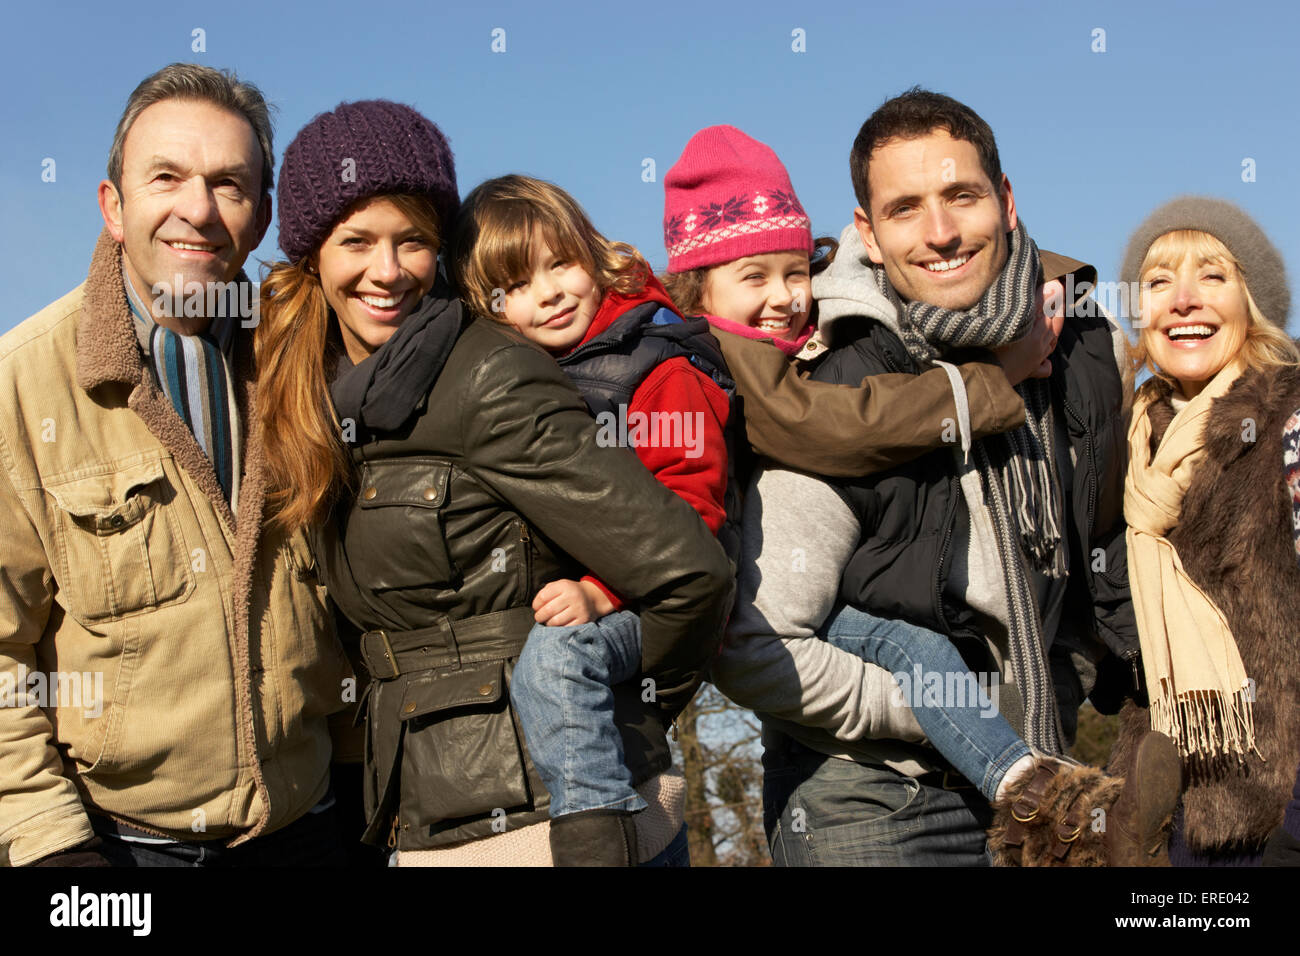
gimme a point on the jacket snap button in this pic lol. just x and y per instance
(116, 521)
(370, 493)
(485, 690)
(409, 708)
(430, 494)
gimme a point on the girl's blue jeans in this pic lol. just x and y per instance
(956, 713)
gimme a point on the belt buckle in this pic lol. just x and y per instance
(389, 656)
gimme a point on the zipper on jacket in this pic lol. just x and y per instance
(1092, 464)
(888, 355)
(392, 834)
(526, 543)
(1133, 662)
(954, 489)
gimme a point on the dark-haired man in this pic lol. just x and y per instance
(1013, 545)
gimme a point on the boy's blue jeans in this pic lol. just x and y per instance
(956, 714)
(562, 691)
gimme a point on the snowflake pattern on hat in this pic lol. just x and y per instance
(734, 217)
(715, 214)
(787, 203)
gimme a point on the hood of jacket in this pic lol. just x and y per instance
(847, 288)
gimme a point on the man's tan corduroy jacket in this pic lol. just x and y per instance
(205, 661)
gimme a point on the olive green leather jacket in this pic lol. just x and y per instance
(493, 488)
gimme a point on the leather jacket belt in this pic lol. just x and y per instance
(484, 637)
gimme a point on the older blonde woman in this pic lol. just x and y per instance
(1211, 561)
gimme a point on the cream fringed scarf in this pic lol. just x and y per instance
(1195, 677)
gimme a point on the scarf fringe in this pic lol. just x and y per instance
(1035, 513)
(1207, 724)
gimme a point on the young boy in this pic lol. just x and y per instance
(527, 254)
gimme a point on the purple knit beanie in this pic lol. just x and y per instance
(360, 150)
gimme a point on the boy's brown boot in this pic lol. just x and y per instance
(594, 838)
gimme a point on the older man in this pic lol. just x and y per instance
(168, 658)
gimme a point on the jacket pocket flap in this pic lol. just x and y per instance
(478, 685)
(414, 482)
(102, 494)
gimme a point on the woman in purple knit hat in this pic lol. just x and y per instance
(448, 470)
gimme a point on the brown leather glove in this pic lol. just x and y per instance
(89, 853)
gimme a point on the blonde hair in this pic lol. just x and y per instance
(298, 345)
(494, 242)
(1266, 345)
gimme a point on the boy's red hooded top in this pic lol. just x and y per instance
(675, 386)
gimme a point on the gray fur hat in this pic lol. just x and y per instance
(1261, 263)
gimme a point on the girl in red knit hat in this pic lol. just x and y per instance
(739, 245)
(740, 251)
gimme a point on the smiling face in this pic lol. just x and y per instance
(771, 292)
(1195, 313)
(375, 267)
(555, 302)
(192, 202)
(937, 224)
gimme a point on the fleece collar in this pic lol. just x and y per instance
(107, 348)
(108, 344)
(108, 352)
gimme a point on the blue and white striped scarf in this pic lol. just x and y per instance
(193, 371)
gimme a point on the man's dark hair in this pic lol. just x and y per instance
(912, 115)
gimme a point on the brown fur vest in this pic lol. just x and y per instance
(1234, 539)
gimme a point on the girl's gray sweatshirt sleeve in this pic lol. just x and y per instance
(798, 535)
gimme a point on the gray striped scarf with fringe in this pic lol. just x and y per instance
(1018, 468)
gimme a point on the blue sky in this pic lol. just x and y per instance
(584, 93)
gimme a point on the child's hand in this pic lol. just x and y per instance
(565, 603)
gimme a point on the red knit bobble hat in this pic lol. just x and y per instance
(728, 197)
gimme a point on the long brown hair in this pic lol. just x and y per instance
(298, 345)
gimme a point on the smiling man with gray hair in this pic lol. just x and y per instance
(132, 481)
